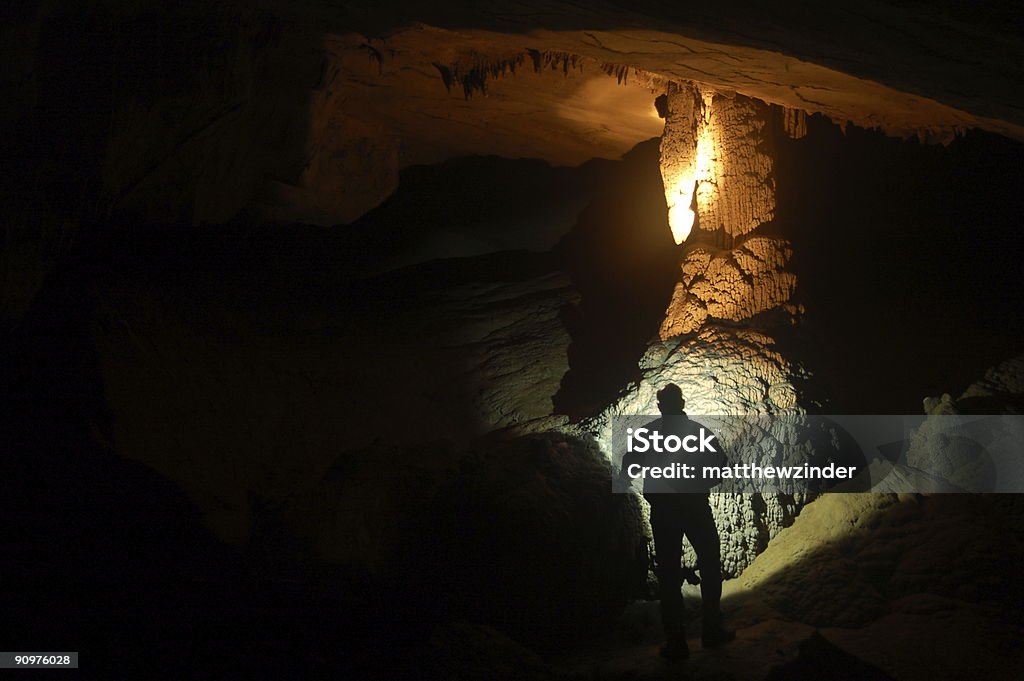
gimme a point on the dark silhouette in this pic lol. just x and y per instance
(681, 508)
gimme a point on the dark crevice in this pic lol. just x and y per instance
(907, 259)
(622, 259)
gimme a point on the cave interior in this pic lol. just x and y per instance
(317, 315)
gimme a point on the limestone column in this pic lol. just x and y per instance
(717, 170)
(717, 167)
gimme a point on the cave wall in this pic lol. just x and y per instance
(154, 114)
(194, 115)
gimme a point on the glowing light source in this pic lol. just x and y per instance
(681, 216)
(698, 175)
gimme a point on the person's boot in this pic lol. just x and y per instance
(713, 633)
(676, 648)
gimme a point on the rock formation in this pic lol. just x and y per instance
(732, 285)
(488, 352)
(717, 174)
(971, 454)
(999, 391)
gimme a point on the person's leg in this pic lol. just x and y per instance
(703, 535)
(666, 526)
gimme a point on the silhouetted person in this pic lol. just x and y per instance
(681, 508)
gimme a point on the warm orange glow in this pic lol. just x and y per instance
(598, 100)
(681, 217)
(700, 177)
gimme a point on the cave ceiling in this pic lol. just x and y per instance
(307, 110)
(566, 82)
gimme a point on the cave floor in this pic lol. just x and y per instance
(859, 587)
(904, 645)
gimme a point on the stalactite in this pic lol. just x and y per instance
(374, 55)
(939, 134)
(446, 75)
(537, 58)
(620, 72)
(565, 60)
(474, 78)
(474, 75)
(794, 121)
